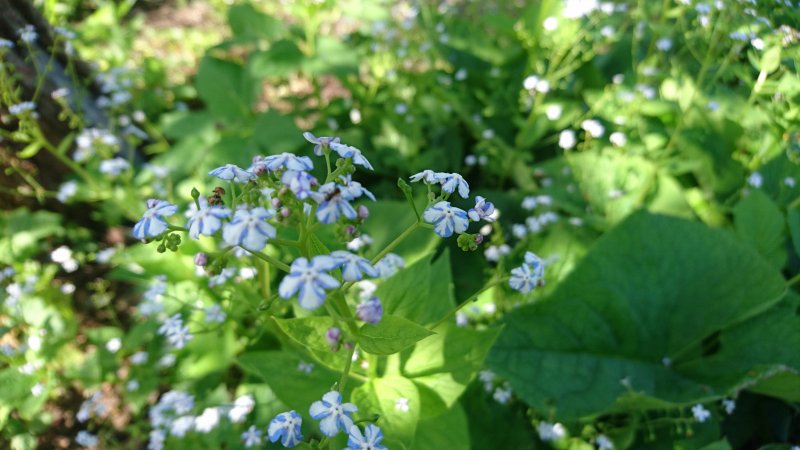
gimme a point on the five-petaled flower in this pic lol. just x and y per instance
(451, 182)
(426, 176)
(206, 220)
(370, 440)
(446, 219)
(289, 161)
(333, 414)
(152, 224)
(529, 275)
(286, 427)
(333, 202)
(249, 228)
(354, 267)
(298, 182)
(482, 210)
(233, 172)
(348, 151)
(309, 279)
(322, 142)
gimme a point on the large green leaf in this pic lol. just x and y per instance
(309, 332)
(226, 88)
(444, 364)
(654, 289)
(759, 223)
(450, 431)
(391, 335)
(380, 396)
(422, 292)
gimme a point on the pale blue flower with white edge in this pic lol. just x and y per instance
(482, 210)
(353, 189)
(348, 151)
(389, 265)
(251, 437)
(298, 182)
(446, 219)
(309, 279)
(333, 414)
(536, 264)
(321, 143)
(286, 428)
(451, 182)
(370, 440)
(332, 204)
(232, 172)
(288, 161)
(354, 267)
(249, 228)
(152, 223)
(523, 279)
(427, 176)
(206, 221)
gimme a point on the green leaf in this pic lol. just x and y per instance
(281, 60)
(771, 59)
(391, 335)
(422, 292)
(310, 333)
(793, 219)
(332, 56)
(653, 288)
(226, 88)
(296, 388)
(275, 133)
(449, 430)
(444, 364)
(249, 23)
(379, 396)
(759, 223)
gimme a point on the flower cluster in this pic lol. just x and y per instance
(529, 275)
(445, 218)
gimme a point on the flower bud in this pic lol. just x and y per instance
(195, 193)
(200, 259)
(370, 311)
(333, 336)
(285, 212)
(363, 212)
(276, 202)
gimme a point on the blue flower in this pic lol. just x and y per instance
(353, 189)
(370, 440)
(249, 228)
(482, 210)
(451, 182)
(426, 176)
(347, 151)
(233, 172)
(298, 182)
(206, 220)
(310, 280)
(353, 266)
(152, 224)
(289, 161)
(332, 204)
(529, 275)
(446, 219)
(321, 142)
(370, 311)
(286, 427)
(389, 265)
(334, 414)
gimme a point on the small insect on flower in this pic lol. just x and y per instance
(286, 428)
(332, 204)
(152, 223)
(446, 219)
(232, 172)
(332, 413)
(370, 440)
(348, 151)
(309, 279)
(249, 228)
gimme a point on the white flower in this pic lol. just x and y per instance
(553, 112)
(207, 421)
(206, 220)
(618, 138)
(729, 405)
(252, 437)
(603, 442)
(86, 439)
(181, 426)
(446, 219)
(242, 406)
(249, 229)
(550, 23)
(700, 413)
(401, 404)
(139, 358)
(755, 179)
(502, 395)
(664, 44)
(113, 345)
(452, 181)
(214, 313)
(593, 127)
(551, 432)
(232, 172)
(566, 139)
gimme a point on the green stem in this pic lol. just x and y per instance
(270, 259)
(792, 281)
(395, 242)
(347, 364)
(469, 300)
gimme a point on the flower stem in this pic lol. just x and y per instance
(395, 242)
(469, 300)
(270, 259)
(347, 364)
